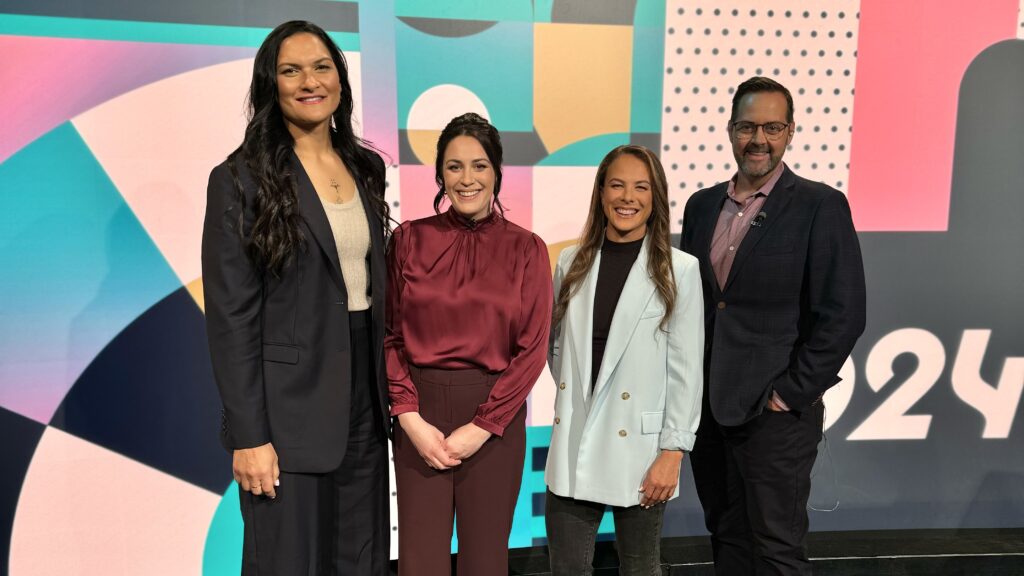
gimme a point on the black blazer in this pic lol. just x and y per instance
(280, 346)
(794, 302)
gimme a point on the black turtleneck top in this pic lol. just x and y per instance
(616, 261)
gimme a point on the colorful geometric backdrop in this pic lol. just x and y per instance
(113, 113)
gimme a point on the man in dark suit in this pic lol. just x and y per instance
(784, 291)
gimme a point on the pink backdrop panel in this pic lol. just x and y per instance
(87, 511)
(912, 55)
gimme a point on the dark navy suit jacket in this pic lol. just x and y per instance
(794, 302)
(281, 345)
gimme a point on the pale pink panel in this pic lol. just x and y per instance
(85, 510)
(158, 144)
(912, 55)
(561, 200)
(517, 194)
(541, 402)
(1020, 21)
(355, 75)
(418, 190)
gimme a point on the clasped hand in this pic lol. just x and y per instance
(439, 452)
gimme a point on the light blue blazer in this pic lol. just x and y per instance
(648, 391)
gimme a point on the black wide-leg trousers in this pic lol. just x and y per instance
(336, 523)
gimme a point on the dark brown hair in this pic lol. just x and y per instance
(266, 151)
(469, 124)
(760, 84)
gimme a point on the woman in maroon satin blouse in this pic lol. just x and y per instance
(469, 308)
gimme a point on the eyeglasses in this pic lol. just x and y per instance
(772, 130)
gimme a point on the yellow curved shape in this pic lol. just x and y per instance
(577, 97)
(554, 250)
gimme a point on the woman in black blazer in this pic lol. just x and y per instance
(293, 271)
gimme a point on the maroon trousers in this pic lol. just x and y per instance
(481, 492)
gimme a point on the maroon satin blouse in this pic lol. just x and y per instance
(465, 294)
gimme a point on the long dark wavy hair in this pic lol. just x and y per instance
(470, 124)
(659, 244)
(266, 152)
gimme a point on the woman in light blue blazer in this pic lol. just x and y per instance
(626, 352)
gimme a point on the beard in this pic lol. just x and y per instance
(752, 169)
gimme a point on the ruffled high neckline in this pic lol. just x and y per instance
(461, 222)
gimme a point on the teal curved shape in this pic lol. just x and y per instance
(588, 152)
(496, 65)
(78, 268)
(648, 66)
(222, 552)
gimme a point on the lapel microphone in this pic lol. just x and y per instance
(758, 220)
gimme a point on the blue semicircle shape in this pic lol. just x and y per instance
(150, 396)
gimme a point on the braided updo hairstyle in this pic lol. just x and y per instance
(476, 126)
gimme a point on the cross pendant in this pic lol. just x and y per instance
(337, 189)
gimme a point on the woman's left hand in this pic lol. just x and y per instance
(465, 441)
(662, 477)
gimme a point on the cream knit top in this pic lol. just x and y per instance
(352, 238)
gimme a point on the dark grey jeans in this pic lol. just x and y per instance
(572, 529)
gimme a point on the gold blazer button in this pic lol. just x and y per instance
(625, 395)
(561, 386)
(557, 420)
(622, 433)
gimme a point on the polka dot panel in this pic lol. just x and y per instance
(391, 188)
(710, 47)
(1020, 21)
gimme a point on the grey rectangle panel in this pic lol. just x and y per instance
(651, 141)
